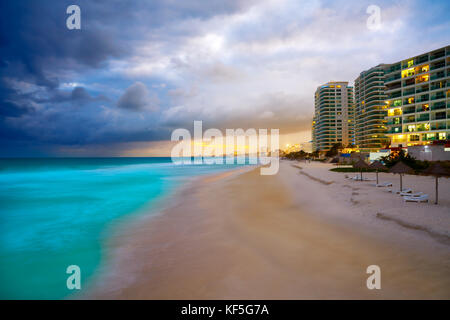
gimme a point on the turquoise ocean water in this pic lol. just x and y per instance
(54, 213)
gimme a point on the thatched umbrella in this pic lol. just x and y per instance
(377, 165)
(361, 164)
(401, 168)
(437, 170)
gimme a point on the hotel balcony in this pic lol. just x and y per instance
(438, 126)
(393, 123)
(394, 95)
(439, 75)
(394, 130)
(394, 112)
(438, 66)
(396, 67)
(438, 105)
(409, 92)
(439, 95)
(423, 98)
(423, 108)
(409, 110)
(421, 59)
(440, 116)
(423, 117)
(422, 89)
(423, 127)
(438, 85)
(409, 119)
(393, 87)
(432, 137)
(437, 55)
(393, 78)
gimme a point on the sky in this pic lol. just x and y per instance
(137, 70)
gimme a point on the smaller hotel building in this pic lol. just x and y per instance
(418, 99)
(334, 116)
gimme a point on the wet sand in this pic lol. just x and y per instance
(294, 235)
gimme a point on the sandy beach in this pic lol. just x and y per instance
(305, 233)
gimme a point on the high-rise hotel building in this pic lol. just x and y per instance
(334, 115)
(418, 99)
(370, 110)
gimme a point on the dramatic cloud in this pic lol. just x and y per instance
(138, 98)
(135, 71)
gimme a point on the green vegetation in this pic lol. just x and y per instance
(334, 150)
(390, 160)
(302, 155)
(315, 154)
(299, 155)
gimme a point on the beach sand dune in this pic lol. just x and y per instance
(287, 236)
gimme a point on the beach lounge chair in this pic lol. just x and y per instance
(406, 194)
(422, 198)
(356, 178)
(386, 184)
(408, 190)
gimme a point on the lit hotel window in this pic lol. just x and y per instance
(408, 72)
(423, 78)
(425, 68)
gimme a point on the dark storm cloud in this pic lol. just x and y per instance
(12, 104)
(138, 98)
(36, 44)
(36, 51)
(77, 95)
(39, 54)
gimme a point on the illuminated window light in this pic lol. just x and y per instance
(408, 72)
(425, 68)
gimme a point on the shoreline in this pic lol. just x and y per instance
(246, 236)
(144, 215)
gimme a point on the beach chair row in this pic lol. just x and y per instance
(407, 194)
